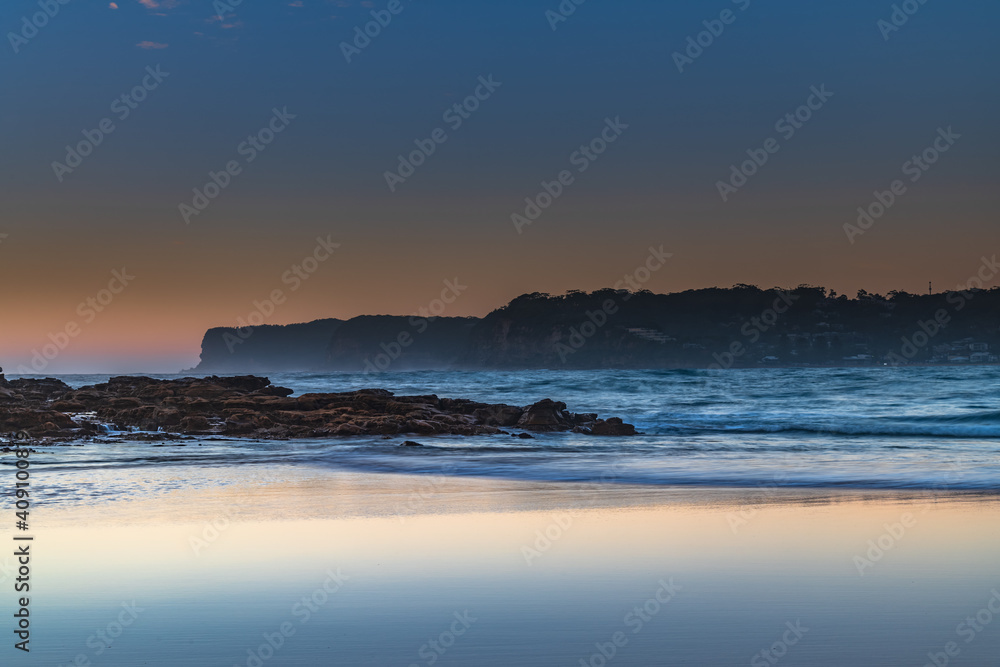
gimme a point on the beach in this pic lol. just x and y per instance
(299, 566)
(766, 517)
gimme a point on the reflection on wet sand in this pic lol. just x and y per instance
(368, 569)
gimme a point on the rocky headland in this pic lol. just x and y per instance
(251, 407)
(616, 329)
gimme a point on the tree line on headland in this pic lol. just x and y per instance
(743, 326)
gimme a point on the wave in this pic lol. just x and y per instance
(988, 417)
(763, 481)
(898, 430)
(972, 425)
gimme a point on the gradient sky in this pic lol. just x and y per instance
(324, 174)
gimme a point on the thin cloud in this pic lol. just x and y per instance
(151, 45)
(159, 4)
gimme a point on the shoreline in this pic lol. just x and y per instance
(304, 493)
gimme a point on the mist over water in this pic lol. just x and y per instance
(914, 428)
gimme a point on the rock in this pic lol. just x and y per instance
(124, 403)
(62, 405)
(545, 415)
(498, 415)
(613, 426)
(34, 420)
(38, 390)
(348, 429)
(239, 425)
(245, 383)
(523, 436)
(422, 427)
(205, 391)
(91, 400)
(249, 406)
(410, 443)
(195, 423)
(90, 428)
(274, 391)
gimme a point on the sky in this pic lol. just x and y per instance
(622, 122)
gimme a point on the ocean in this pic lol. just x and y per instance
(931, 428)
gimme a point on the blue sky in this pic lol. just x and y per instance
(326, 172)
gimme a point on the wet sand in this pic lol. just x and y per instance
(308, 568)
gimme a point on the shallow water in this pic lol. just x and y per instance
(914, 428)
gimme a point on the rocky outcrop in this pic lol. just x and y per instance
(36, 390)
(249, 406)
(26, 406)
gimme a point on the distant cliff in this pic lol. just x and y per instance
(742, 326)
(292, 347)
(388, 342)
